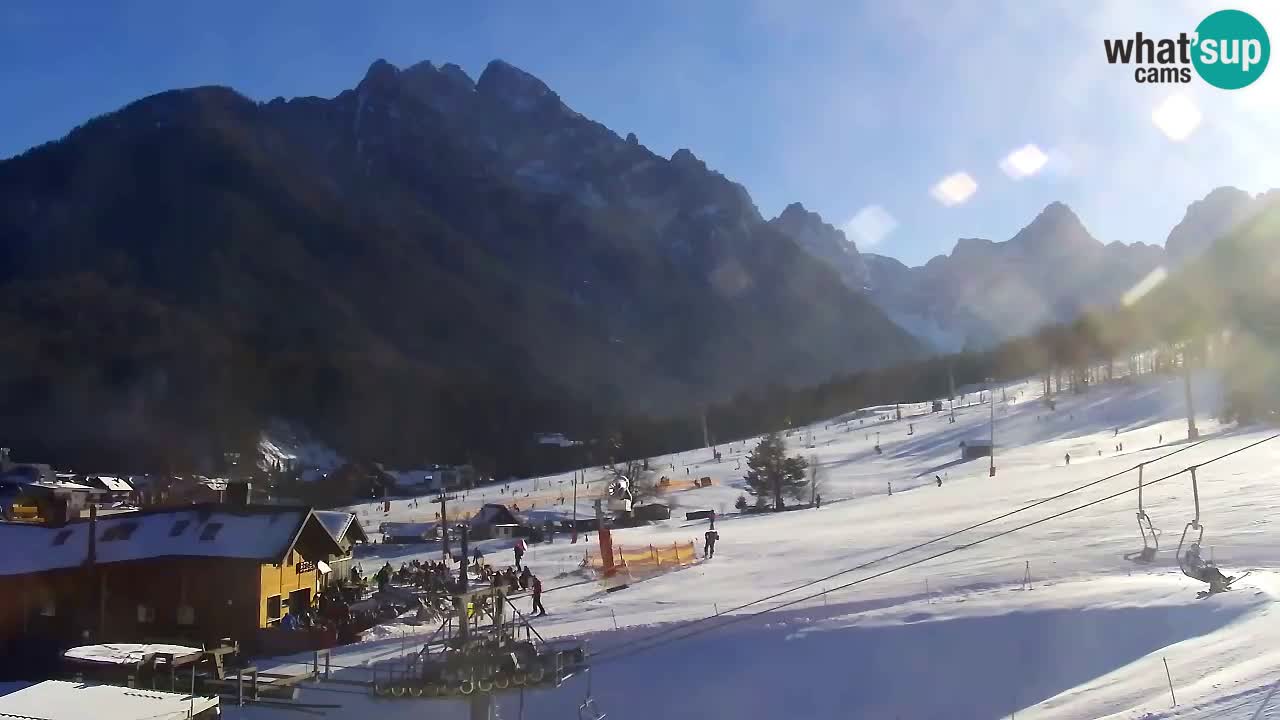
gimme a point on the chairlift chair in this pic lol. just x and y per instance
(588, 710)
(1193, 525)
(1150, 539)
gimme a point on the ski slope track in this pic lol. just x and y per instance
(897, 606)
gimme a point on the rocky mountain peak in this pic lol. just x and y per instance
(824, 241)
(1208, 219)
(1056, 229)
(457, 76)
(381, 74)
(513, 87)
(685, 159)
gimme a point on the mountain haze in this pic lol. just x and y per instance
(1052, 270)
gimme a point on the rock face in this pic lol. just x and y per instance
(422, 262)
(1207, 220)
(824, 242)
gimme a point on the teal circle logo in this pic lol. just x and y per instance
(1232, 49)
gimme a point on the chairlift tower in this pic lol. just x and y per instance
(484, 647)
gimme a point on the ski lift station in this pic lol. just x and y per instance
(972, 449)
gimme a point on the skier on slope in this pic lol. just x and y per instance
(1068, 458)
(710, 537)
(519, 551)
(1196, 567)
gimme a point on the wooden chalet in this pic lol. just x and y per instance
(345, 530)
(195, 575)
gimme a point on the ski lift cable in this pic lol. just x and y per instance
(694, 627)
(939, 539)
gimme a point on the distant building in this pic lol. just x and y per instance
(114, 489)
(54, 500)
(971, 449)
(652, 512)
(556, 439)
(436, 478)
(490, 515)
(345, 530)
(406, 532)
(171, 490)
(354, 481)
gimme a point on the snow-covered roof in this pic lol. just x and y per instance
(339, 522)
(64, 700)
(62, 485)
(258, 533)
(125, 653)
(214, 483)
(114, 484)
(406, 529)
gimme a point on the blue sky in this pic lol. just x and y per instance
(839, 105)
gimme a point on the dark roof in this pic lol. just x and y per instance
(340, 524)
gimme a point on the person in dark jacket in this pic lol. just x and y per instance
(538, 610)
(519, 551)
(711, 536)
(525, 575)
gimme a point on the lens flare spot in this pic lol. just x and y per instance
(1177, 117)
(1144, 286)
(870, 226)
(954, 189)
(1024, 162)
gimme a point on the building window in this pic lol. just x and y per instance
(273, 608)
(210, 531)
(146, 614)
(119, 531)
(178, 528)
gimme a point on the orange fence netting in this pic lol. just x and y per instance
(648, 557)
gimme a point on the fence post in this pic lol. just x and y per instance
(1170, 677)
(654, 554)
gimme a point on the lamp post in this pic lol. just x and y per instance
(991, 398)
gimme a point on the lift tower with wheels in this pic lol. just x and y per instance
(486, 646)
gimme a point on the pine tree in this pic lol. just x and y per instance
(772, 473)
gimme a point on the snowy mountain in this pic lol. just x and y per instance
(986, 291)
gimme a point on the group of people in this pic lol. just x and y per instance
(432, 576)
(439, 580)
(512, 582)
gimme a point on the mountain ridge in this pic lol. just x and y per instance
(419, 268)
(984, 291)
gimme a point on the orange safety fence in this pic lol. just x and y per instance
(647, 557)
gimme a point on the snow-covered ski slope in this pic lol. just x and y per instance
(958, 636)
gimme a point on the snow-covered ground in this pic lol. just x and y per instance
(958, 636)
